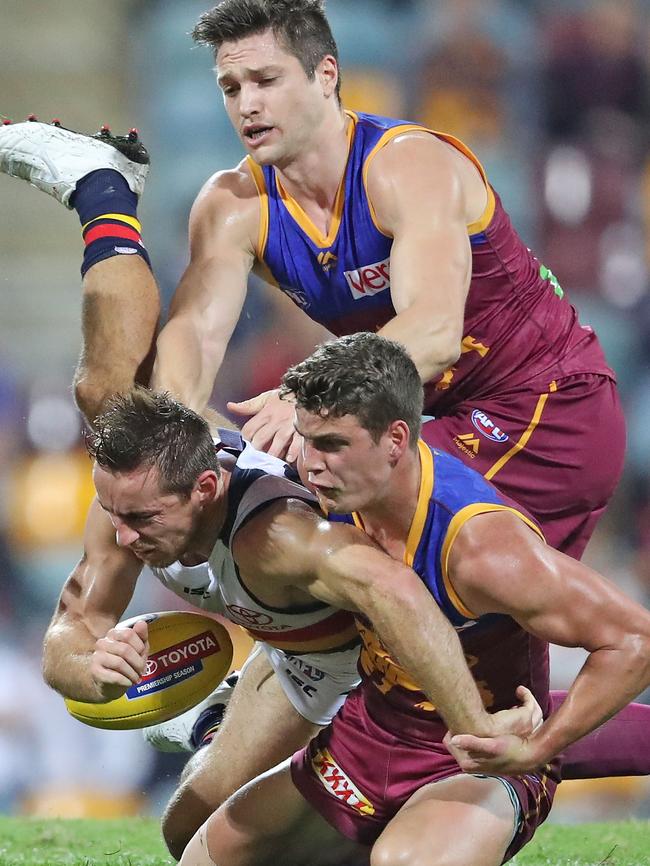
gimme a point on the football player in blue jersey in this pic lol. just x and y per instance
(368, 223)
(379, 774)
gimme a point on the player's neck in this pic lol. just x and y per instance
(387, 520)
(314, 176)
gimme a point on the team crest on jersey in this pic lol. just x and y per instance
(486, 427)
(369, 280)
(327, 260)
(334, 780)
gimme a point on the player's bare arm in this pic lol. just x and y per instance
(206, 305)
(289, 546)
(424, 194)
(564, 602)
(84, 656)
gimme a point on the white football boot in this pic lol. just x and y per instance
(176, 734)
(55, 159)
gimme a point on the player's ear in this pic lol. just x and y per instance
(207, 485)
(399, 438)
(328, 74)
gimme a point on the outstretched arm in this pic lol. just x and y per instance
(338, 564)
(207, 303)
(560, 600)
(424, 194)
(84, 656)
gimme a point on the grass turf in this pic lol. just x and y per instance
(137, 842)
(123, 842)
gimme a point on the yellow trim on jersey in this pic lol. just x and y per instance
(263, 271)
(484, 220)
(422, 507)
(473, 228)
(388, 136)
(486, 217)
(521, 443)
(457, 522)
(305, 221)
(122, 217)
(257, 174)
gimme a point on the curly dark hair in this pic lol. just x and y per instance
(363, 375)
(149, 428)
(299, 25)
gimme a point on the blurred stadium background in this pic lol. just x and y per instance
(554, 98)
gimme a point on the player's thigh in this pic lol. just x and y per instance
(260, 728)
(267, 823)
(461, 821)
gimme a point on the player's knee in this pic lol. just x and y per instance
(390, 850)
(175, 832)
(396, 849)
(182, 817)
(90, 395)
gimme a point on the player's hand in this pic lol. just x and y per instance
(505, 754)
(509, 749)
(270, 427)
(521, 720)
(119, 660)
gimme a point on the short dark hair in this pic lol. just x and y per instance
(299, 25)
(150, 428)
(364, 375)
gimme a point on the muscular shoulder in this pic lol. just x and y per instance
(234, 185)
(418, 164)
(497, 557)
(275, 539)
(227, 206)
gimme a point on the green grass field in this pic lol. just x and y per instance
(136, 842)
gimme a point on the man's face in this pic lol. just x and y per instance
(273, 106)
(347, 469)
(158, 527)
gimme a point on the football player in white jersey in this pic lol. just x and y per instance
(237, 525)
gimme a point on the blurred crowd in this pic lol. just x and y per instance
(555, 100)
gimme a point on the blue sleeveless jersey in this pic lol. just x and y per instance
(450, 494)
(517, 325)
(342, 280)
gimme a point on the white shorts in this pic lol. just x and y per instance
(315, 683)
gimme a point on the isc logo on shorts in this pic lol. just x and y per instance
(338, 784)
(487, 428)
(369, 280)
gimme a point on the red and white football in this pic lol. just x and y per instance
(189, 655)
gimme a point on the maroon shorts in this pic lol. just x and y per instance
(358, 775)
(556, 449)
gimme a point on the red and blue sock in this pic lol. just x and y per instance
(107, 209)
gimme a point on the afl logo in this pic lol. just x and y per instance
(150, 669)
(248, 617)
(487, 428)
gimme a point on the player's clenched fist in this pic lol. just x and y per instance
(119, 659)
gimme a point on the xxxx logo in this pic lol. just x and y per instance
(335, 781)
